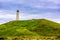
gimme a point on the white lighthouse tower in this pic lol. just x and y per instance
(17, 15)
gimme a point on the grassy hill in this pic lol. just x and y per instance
(35, 27)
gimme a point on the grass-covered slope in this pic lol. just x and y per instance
(47, 28)
(34, 27)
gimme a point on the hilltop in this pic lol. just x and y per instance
(35, 27)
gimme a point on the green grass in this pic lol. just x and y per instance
(36, 27)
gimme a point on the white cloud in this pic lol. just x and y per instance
(13, 1)
(41, 6)
(50, 16)
(23, 16)
(35, 3)
(32, 1)
(6, 14)
(55, 1)
(52, 4)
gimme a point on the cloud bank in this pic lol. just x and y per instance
(30, 9)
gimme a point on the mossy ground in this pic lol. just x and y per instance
(36, 27)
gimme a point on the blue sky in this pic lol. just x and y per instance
(30, 9)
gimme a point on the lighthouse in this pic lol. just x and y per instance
(17, 15)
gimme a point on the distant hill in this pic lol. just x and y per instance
(35, 27)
